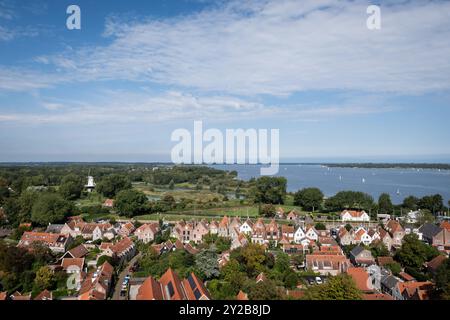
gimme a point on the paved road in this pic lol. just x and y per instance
(126, 270)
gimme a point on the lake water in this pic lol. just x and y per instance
(372, 181)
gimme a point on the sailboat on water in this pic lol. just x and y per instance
(363, 180)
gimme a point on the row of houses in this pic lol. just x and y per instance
(391, 235)
(241, 232)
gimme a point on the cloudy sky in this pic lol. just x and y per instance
(137, 70)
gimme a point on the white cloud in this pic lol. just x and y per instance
(278, 48)
(117, 107)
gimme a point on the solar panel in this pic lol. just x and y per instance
(192, 282)
(170, 289)
(197, 294)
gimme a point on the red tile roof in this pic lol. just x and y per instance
(242, 296)
(150, 290)
(44, 295)
(69, 264)
(377, 296)
(361, 278)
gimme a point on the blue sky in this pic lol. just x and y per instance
(137, 70)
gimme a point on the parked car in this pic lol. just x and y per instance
(319, 280)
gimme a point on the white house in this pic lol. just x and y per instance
(312, 234)
(246, 227)
(354, 216)
(299, 235)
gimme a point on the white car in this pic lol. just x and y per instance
(319, 280)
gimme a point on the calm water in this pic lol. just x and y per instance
(376, 181)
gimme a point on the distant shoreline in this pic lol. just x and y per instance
(363, 165)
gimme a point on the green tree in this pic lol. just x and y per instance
(269, 190)
(349, 200)
(442, 279)
(71, 187)
(341, 287)
(385, 204)
(112, 184)
(50, 208)
(410, 203)
(268, 210)
(394, 267)
(414, 253)
(309, 198)
(171, 185)
(206, 263)
(433, 203)
(264, 290)
(44, 279)
(320, 226)
(131, 203)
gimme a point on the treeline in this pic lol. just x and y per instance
(371, 165)
(272, 190)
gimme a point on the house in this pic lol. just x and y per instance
(201, 229)
(345, 237)
(234, 224)
(171, 287)
(294, 248)
(396, 231)
(354, 216)
(261, 277)
(280, 214)
(18, 296)
(97, 285)
(183, 231)
(147, 232)
(389, 285)
(299, 235)
(327, 264)
(312, 234)
(44, 295)
(361, 279)
(292, 216)
(414, 290)
(240, 241)
(435, 263)
(213, 227)
(77, 252)
(361, 236)
(259, 232)
(272, 232)
(288, 232)
(361, 256)
(377, 296)
(223, 227)
(57, 243)
(109, 203)
(412, 217)
(241, 296)
(384, 261)
(190, 249)
(386, 238)
(246, 227)
(124, 250)
(429, 231)
(72, 265)
(54, 228)
(126, 229)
